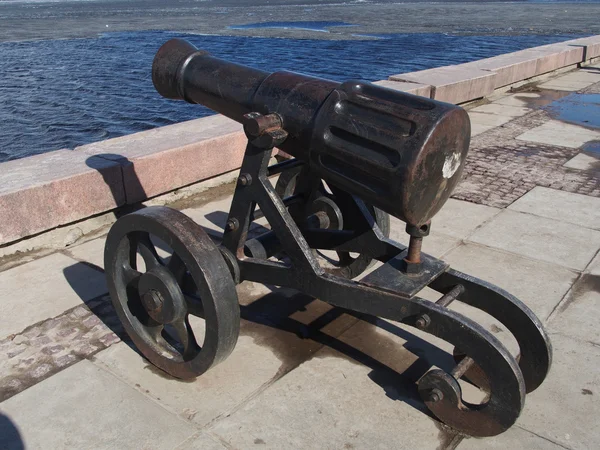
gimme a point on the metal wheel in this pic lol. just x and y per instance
(154, 305)
(347, 265)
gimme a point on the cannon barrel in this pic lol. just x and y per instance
(400, 152)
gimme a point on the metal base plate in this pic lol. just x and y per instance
(392, 275)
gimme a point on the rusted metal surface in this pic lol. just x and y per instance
(374, 148)
(401, 153)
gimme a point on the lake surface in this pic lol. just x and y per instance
(68, 92)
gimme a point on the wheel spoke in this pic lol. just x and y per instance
(194, 305)
(141, 242)
(177, 268)
(186, 338)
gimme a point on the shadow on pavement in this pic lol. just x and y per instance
(274, 311)
(10, 438)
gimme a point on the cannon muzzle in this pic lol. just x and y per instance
(400, 152)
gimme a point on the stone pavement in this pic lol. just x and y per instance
(305, 375)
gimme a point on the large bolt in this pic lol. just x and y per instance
(232, 224)
(435, 395)
(423, 321)
(245, 179)
(153, 300)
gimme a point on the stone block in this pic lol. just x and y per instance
(540, 238)
(86, 407)
(453, 84)
(501, 110)
(357, 393)
(565, 408)
(424, 90)
(572, 81)
(459, 219)
(488, 120)
(509, 68)
(520, 100)
(583, 162)
(578, 209)
(518, 66)
(43, 289)
(555, 132)
(166, 158)
(44, 191)
(477, 129)
(590, 44)
(541, 286)
(577, 316)
(555, 56)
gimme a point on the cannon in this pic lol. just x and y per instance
(359, 153)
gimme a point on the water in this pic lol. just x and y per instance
(579, 109)
(65, 93)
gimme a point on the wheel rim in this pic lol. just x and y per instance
(154, 306)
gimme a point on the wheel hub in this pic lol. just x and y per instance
(161, 295)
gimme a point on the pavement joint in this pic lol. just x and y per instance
(545, 438)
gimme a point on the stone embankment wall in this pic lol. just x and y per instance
(90, 184)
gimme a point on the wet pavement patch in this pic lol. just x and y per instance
(578, 109)
(592, 148)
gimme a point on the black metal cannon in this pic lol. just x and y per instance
(361, 151)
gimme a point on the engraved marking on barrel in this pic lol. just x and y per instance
(451, 165)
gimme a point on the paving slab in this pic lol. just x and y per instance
(582, 210)
(436, 244)
(477, 129)
(540, 238)
(424, 90)
(520, 99)
(44, 191)
(43, 289)
(488, 120)
(459, 219)
(583, 162)
(453, 84)
(502, 110)
(594, 266)
(278, 332)
(555, 132)
(539, 285)
(86, 407)
(91, 252)
(202, 442)
(515, 438)
(166, 158)
(565, 408)
(569, 83)
(578, 315)
(348, 397)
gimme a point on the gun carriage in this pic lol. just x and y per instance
(360, 152)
